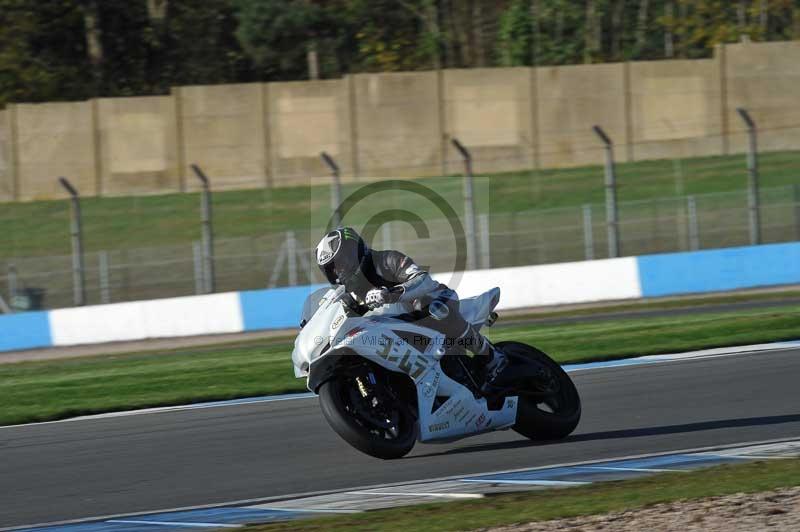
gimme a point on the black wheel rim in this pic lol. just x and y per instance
(379, 419)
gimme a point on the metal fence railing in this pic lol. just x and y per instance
(534, 236)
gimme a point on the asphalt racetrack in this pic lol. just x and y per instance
(104, 466)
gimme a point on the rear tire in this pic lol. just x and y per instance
(546, 419)
(339, 415)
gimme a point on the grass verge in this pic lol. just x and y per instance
(561, 503)
(112, 223)
(47, 390)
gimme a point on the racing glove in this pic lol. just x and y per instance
(377, 297)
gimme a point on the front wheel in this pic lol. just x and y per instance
(366, 418)
(554, 409)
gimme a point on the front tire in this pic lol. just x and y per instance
(338, 401)
(550, 418)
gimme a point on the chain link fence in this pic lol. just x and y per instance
(523, 237)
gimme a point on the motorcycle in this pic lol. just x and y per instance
(384, 383)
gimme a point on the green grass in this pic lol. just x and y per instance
(609, 339)
(40, 391)
(42, 227)
(526, 507)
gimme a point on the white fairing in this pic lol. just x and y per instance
(374, 337)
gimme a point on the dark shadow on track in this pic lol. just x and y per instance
(626, 433)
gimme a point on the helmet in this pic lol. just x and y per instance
(340, 254)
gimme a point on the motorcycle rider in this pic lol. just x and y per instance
(375, 278)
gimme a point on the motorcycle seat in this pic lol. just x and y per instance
(476, 310)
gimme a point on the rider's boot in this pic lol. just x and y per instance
(496, 361)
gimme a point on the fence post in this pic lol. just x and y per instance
(588, 235)
(12, 288)
(76, 234)
(197, 256)
(336, 188)
(752, 175)
(469, 204)
(12, 281)
(796, 196)
(612, 220)
(291, 256)
(103, 270)
(694, 232)
(208, 231)
(486, 250)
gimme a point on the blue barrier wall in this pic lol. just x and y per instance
(25, 331)
(278, 308)
(719, 269)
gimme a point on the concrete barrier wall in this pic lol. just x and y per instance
(399, 130)
(675, 108)
(306, 118)
(765, 80)
(400, 124)
(528, 286)
(222, 129)
(554, 284)
(571, 99)
(52, 140)
(138, 145)
(489, 110)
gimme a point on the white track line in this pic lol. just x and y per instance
(174, 523)
(642, 469)
(406, 494)
(528, 482)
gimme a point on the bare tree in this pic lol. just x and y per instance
(478, 29)
(430, 17)
(593, 32)
(641, 26)
(536, 31)
(617, 29)
(669, 37)
(741, 16)
(683, 9)
(94, 44)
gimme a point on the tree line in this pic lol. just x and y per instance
(77, 49)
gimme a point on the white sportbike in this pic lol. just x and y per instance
(385, 383)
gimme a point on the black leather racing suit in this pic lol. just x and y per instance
(395, 270)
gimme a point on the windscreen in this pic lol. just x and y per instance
(312, 304)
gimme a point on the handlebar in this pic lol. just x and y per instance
(351, 304)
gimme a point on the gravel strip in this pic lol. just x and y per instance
(777, 510)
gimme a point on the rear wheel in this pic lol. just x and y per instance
(552, 408)
(368, 416)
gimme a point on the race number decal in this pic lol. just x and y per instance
(413, 365)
